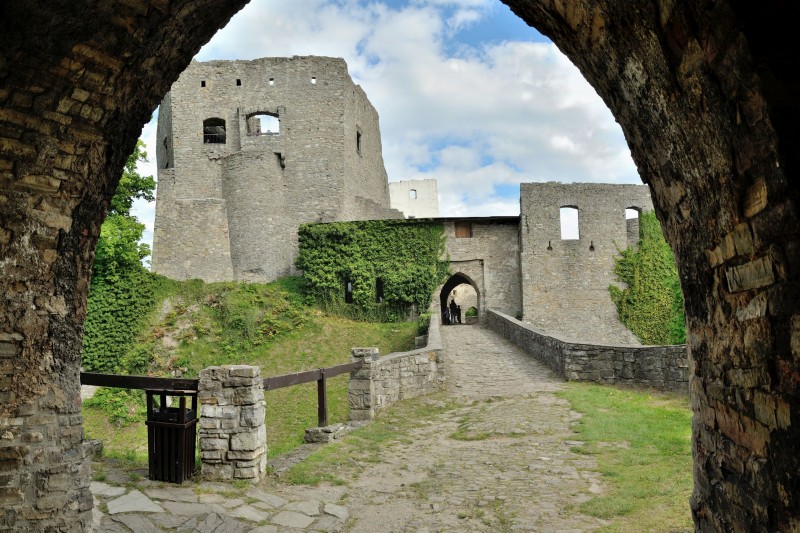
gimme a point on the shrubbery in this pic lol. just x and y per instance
(392, 266)
(652, 304)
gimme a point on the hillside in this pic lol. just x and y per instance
(192, 325)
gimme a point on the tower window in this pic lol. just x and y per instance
(272, 81)
(412, 194)
(202, 83)
(313, 80)
(358, 142)
(238, 82)
(569, 223)
(214, 131)
(263, 124)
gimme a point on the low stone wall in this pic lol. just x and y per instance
(660, 367)
(385, 380)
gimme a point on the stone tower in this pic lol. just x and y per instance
(249, 150)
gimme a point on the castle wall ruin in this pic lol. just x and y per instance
(249, 150)
(703, 90)
(565, 281)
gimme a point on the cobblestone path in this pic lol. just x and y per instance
(497, 457)
(501, 461)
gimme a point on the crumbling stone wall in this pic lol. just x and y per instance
(565, 282)
(659, 367)
(705, 93)
(231, 210)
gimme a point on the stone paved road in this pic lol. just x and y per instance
(510, 469)
(499, 460)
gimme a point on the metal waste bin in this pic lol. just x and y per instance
(171, 435)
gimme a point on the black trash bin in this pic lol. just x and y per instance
(171, 435)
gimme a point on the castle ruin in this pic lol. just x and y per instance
(250, 150)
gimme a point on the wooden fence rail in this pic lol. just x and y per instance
(320, 375)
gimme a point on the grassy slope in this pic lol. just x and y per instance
(642, 443)
(264, 325)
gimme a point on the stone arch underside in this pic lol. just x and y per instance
(704, 90)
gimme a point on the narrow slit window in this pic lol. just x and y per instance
(632, 226)
(379, 290)
(214, 131)
(358, 142)
(348, 292)
(569, 223)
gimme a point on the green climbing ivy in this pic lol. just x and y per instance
(401, 259)
(652, 304)
(122, 290)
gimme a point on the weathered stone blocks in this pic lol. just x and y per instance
(382, 381)
(233, 437)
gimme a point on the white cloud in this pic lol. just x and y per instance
(475, 115)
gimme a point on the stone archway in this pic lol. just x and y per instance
(451, 284)
(706, 95)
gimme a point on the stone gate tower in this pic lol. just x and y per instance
(249, 150)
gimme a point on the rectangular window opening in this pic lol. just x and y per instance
(272, 81)
(569, 223)
(313, 80)
(348, 292)
(463, 230)
(202, 83)
(358, 142)
(238, 82)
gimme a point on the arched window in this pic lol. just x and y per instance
(214, 131)
(569, 223)
(263, 124)
(412, 194)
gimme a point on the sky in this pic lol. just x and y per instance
(466, 92)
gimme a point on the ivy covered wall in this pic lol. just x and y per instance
(652, 304)
(380, 269)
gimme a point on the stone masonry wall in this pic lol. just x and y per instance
(565, 282)
(381, 381)
(490, 258)
(233, 437)
(231, 210)
(660, 367)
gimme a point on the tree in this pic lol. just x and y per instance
(118, 249)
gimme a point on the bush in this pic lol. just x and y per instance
(392, 266)
(652, 304)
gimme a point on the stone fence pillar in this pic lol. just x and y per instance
(363, 400)
(233, 437)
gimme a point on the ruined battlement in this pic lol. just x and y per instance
(248, 151)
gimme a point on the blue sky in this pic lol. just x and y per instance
(467, 94)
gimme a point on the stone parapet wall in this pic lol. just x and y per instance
(233, 436)
(660, 367)
(383, 381)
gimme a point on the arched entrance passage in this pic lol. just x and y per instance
(464, 301)
(705, 94)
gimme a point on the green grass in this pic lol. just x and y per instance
(346, 458)
(267, 325)
(642, 444)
